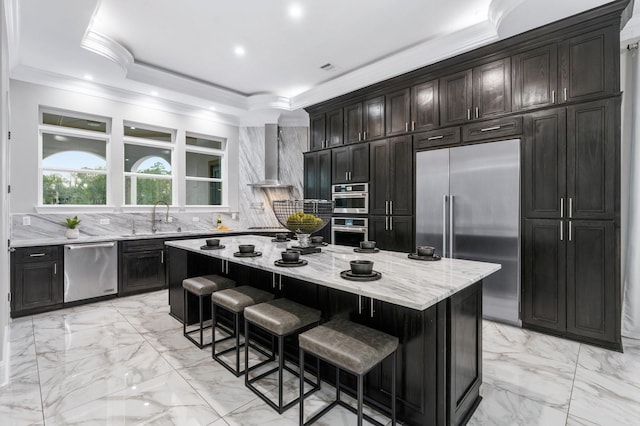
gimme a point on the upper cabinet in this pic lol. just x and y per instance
(350, 164)
(425, 111)
(326, 129)
(535, 78)
(364, 120)
(482, 92)
(398, 111)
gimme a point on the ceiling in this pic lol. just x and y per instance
(186, 55)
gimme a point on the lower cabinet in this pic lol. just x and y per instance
(37, 280)
(141, 266)
(393, 233)
(570, 283)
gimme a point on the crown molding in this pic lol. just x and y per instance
(108, 48)
(12, 21)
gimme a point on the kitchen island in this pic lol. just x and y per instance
(433, 307)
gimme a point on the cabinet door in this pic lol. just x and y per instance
(311, 184)
(318, 131)
(535, 77)
(353, 123)
(400, 181)
(400, 234)
(544, 274)
(592, 291)
(142, 271)
(379, 182)
(425, 112)
(492, 89)
(588, 65)
(324, 175)
(455, 98)
(36, 285)
(397, 111)
(334, 127)
(373, 118)
(340, 165)
(359, 163)
(378, 226)
(545, 164)
(591, 159)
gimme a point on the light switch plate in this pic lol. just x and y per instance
(195, 219)
(26, 220)
(104, 221)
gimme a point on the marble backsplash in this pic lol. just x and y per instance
(255, 204)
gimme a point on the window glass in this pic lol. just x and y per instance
(147, 191)
(201, 193)
(204, 142)
(204, 165)
(204, 171)
(140, 132)
(94, 125)
(147, 159)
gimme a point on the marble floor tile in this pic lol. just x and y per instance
(153, 321)
(176, 349)
(530, 364)
(68, 321)
(164, 400)
(20, 328)
(21, 359)
(67, 385)
(20, 402)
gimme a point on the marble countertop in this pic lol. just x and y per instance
(84, 239)
(411, 283)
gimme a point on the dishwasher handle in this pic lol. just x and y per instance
(90, 245)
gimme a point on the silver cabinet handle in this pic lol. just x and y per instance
(273, 280)
(371, 310)
(451, 226)
(162, 256)
(433, 138)
(346, 175)
(561, 231)
(90, 245)
(349, 175)
(489, 129)
(36, 255)
(386, 207)
(477, 112)
(279, 282)
(468, 114)
(553, 96)
(570, 207)
(365, 135)
(562, 207)
(565, 94)
(55, 269)
(386, 223)
(570, 231)
(391, 207)
(444, 226)
(413, 125)
(359, 136)
(359, 304)
(390, 223)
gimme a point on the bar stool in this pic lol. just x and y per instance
(235, 300)
(202, 287)
(280, 318)
(354, 348)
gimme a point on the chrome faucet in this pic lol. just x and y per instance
(154, 228)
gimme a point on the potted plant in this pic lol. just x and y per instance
(71, 223)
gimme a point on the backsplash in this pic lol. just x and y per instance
(255, 204)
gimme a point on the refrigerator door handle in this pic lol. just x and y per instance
(444, 226)
(451, 226)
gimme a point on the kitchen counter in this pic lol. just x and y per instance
(405, 282)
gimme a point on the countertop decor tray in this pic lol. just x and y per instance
(212, 247)
(348, 275)
(254, 254)
(424, 258)
(283, 264)
(275, 240)
(361, 250)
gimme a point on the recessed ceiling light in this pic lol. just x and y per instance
(295, 11)
(88, 77)
(212, 108)
(239, 51)
(154, 93)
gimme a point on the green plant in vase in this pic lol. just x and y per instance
(72, 227)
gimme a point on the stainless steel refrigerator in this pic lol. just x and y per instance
(468, 207)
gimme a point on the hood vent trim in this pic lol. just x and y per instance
(271, 142)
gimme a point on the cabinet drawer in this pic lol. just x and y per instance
(35, 254)
(492, 129)
(449, 136)
(143, 245)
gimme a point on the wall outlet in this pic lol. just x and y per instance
(26, 220)
(104, 221)
(195, 219)
(234, 216)
(170, 219)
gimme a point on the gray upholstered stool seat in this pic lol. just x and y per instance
(235, 300)
(280, 318)
(351, 347)
(201, 286)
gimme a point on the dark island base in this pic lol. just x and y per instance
(440, 352)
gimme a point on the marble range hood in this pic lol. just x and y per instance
(270, 160)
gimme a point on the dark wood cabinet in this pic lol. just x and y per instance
(37, 280)
(326, 129)
(317, 181)
(364, 120)
(425, 107)
(393, 233)
(535, 77)
(456, 98)
(353, 123)
(391, 183)
(588, 65)
(435, 138)
(398, 111)
(142, 266)
(334, 128)
(350, 164)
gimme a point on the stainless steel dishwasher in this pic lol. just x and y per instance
(90, 270)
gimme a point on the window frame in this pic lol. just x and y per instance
(77, 133)
(224, 179)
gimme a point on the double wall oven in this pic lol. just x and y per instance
(350, 225)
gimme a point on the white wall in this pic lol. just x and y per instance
(26, 99)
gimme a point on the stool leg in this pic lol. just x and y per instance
(301, 387)
(337, 383)
(360, 377)
(246, 352)
(201, 322)
(280, 370)
(237, 332)
(213, 329)
(184, 313)
(393, 390)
